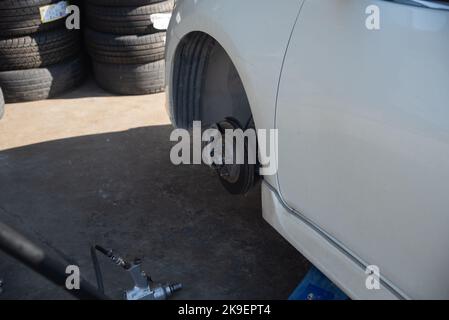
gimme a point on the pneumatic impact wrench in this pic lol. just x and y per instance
(144, 289)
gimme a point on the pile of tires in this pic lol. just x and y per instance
(126, 48)
(39, 56)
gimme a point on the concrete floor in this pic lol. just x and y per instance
(93, 168)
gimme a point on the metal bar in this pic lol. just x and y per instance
(22, 249)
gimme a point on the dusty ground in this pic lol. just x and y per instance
(93, 168)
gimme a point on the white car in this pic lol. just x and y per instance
(359, 91)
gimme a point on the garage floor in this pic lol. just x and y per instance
(94, 168)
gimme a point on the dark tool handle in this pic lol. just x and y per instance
(22, 249)
(107, 253)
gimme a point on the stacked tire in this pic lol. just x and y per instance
(38, 59)
(126, 48)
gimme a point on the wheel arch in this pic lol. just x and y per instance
(206, 84)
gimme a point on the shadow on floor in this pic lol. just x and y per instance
(88, 89)
(120, 190)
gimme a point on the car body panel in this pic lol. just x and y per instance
(331, 259)
(356, 141)
(364, 136)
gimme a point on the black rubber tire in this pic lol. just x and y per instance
(116, 49)
(42, 83)
(20, 4)
(131, 79)
(2, 104)
(190, 63)
(125, 20)
(22, 17)
(123, 3)
(38, 50)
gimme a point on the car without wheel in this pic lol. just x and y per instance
(363, 121)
